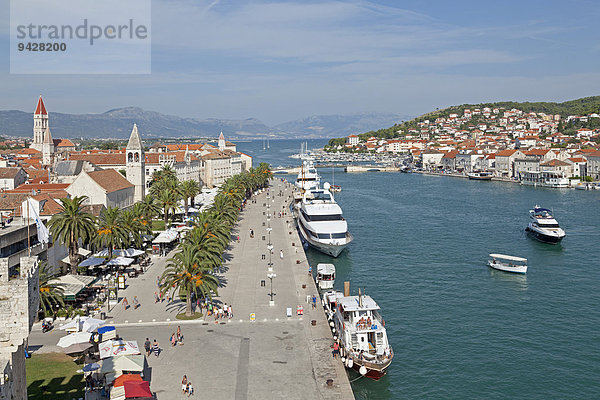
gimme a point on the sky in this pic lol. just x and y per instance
(282, 60)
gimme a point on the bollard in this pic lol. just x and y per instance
(263, 238)
(304, 286)
(293, 244)
(264, 256)
(263, 224)
(297, 261)
(329, 382)
(262, 283)
(313, 322)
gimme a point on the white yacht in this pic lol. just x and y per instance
(308, 178)
(320, 222)
(503, 262)
(325, 276)
(364, 343)
(543, 226)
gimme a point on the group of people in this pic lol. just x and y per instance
(364, 323)
(177, 337)
(186, 386)
(151, 347)
(136, 303)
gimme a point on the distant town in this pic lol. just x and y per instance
(511, 144)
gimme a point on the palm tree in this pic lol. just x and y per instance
(209, 221)
(189, 190)
(168, 199)
(111, 231)
(187, 272)
(51, 294)
(71, 225)
(226, 213)
(148, 207)
(135, 224)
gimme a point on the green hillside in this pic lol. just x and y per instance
(583, 106)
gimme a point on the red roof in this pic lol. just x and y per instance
(505, 153)
(64, 143)
(41, 108)
(137, 389)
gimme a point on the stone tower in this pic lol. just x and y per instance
(47, 148)
(221, 142)
(40, 124)
(135, 167)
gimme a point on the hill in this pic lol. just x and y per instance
(583, 106)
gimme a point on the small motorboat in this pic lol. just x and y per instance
(325, 276)
(503, 262)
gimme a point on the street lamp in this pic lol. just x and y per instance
(271, 275)
(270, 248)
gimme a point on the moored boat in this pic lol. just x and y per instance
(362, 334)
(544, 227)
(480, 176)
(503, 262)
(325, 276)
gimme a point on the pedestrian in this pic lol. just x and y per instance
(336, 349)
(209, 308)
(309, 270)
(184, 385)
(125, 303)
(168, 297)
(229, 312)
(314, 302)
(148, 347)
(190, 389)
(156, 348)
(173, 340)
(179, 335)
(155, 298)
(281, 254)
(158, 281)
(238, 238)
(136, 303)
(251, 233)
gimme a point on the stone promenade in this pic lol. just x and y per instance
(272, 357)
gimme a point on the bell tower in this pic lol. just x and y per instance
(135, 166)
(40, 124)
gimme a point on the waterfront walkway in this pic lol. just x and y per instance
(272, 357)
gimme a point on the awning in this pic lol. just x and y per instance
(92, 262)
(121, 261)
(72, 284)
(131, 363)
(138, 390)
(107, 328)
(131, 252)
(77, 348)
(166, 236)
(81, 252)
(120, 380)
(112, 348)
(74, 338)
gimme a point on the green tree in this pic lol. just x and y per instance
(72, 224)
(111, 231)
(189, 190)
(51, 294)
(187, 272)
(148, 208)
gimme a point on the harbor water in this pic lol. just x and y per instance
(460, 329)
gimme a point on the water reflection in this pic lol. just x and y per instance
(517, 281)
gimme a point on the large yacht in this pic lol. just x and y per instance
(320, 222)
(308, 178)
(544, 227)
(364, 343)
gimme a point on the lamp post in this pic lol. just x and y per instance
(271, 276)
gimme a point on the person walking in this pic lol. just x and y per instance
(156, 348)
(190, 389)
(136, 303)
(336, 349)
(173, 340)
(229, 312)
(281, 254)
(179, 335)
(184, 385)
(125, 303)
(314, 302)
(155, 297)
(148, 347)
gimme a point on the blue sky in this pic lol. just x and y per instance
(282, 60)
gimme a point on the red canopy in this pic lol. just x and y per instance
(120, 380)
(137, 389)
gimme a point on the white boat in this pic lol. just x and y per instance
(503, 262)
(320, 222)
(308, 178)
(544, 179)
(480, 176)
(362, 334)
(325, 276)
(543, 226)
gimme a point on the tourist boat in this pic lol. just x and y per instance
(503, 262)
(308, 178)
(543, 226)
(362, 334)
(320, 222)
(325, 276)
(480, 176)
(544, 179)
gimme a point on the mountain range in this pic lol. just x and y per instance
(117, 124)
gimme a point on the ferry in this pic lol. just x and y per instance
(544, 227)
(320, 222)
(503, 262)
(362, 334)
(325, 276)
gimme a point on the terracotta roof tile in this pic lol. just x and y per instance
(9, 172)
(110, 180)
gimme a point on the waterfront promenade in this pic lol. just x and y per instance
(274, 356)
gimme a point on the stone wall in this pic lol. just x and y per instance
(19, 302)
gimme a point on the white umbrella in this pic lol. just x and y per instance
(87, 324)
(92, 262)
(91, 324)
(121, 261)
(74, 338)
(131, 252)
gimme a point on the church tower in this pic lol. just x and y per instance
(221, 142)
(47, 148)
(40, 123)
(135, 167)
